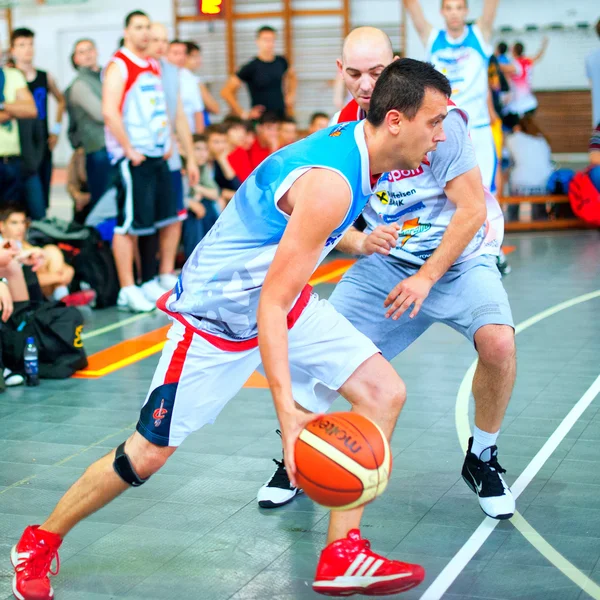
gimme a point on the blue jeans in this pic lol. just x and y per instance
(99, 174)
(194, 229)
(11, 182)
(595, 177)
(35, 202)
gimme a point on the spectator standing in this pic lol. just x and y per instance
(522, 99)
(288, 131)
(189, 88)
(318, 121)
(171, 234)
(270, 80)
(138, 140)
(193, 62)
(202, 210)
(84, 104)
(40, 84)
(16, 102)
(531, 160)
(267, 139)
(592, 69)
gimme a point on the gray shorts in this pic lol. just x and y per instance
(469, 296)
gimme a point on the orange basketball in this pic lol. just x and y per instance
(343, 460)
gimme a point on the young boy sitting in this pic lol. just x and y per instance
(202, 207)
(54, 275)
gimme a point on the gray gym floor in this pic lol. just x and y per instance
(195, 531)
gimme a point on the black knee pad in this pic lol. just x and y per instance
(124, 469)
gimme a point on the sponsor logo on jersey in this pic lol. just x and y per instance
(159, 414)
(394, 198)
(396, 216)
(338, 130)
(400, 175)
(332, 240)
(412, 228)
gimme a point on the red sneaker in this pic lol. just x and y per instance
(82, 298)
(348, 567)
(32, 559)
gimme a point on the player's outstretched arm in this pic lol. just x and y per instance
(422, 25)
(542, 50)
(488, 16)
(314, 215)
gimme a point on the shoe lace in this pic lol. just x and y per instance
(280, 478)
(38, 564)
(491, 473)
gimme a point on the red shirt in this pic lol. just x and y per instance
(239, 160)
(258, 153)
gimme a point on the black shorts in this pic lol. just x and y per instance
(145, 198)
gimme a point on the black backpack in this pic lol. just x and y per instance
(56, 329)
(86, 252)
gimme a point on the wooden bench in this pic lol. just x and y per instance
(550, 224)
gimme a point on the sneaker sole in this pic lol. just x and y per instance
(378, 588)
(270, 504)
(497, 517)
(13, 561)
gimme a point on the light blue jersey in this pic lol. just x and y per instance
(464, 61)
(220, 285)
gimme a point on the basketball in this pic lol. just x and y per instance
(343, 460)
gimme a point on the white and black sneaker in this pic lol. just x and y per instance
(278, 490)
(483, 474)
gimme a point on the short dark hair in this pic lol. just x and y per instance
(401, 86)
(288, 120)
(598, 27)
(10, 209)
(191, 47)
(268, 118)
(199, 137)
(502, 47)
(318, 115)
(265, 29)
(217, 129)
(233, 121)
(519, 48)
(465, 1)
(132, 14)
(177, 41)
(22, 32)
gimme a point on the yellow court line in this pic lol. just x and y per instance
(556, 558)
(125, 362)
(463, 430)
(329, 276)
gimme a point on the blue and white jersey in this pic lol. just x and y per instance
(464, 61)
(219, 287)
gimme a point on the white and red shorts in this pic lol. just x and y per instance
(194, 379)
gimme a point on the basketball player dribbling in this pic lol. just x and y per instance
(431, 240)
(243, 296)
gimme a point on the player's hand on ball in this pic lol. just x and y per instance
(409, 292)
(291, 426)
(382, 240)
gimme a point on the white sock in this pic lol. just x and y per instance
(164, 280)
(128, 288)
(60, 292)
(482, 440)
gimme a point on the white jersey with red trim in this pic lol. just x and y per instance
(143, 107)
(416, 200)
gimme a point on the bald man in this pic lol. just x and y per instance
(157, 282)
(431, 240)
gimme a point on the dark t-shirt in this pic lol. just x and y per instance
(264, 80)
(223, 182)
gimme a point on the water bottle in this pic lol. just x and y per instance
(31, 362)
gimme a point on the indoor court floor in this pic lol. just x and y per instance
(195, 532)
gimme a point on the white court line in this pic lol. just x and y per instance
(453, 569)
